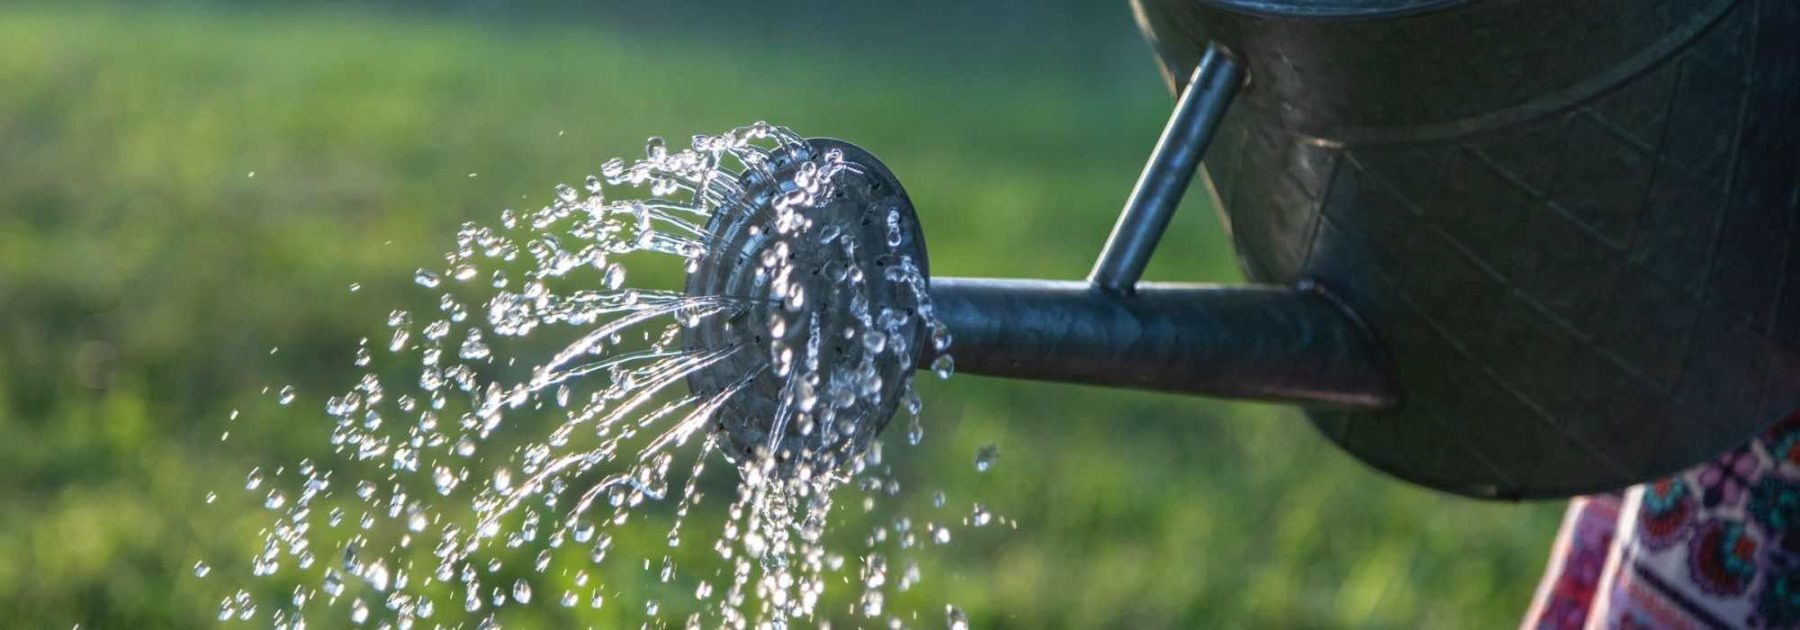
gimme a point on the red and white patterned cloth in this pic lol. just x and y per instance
(1715, 546)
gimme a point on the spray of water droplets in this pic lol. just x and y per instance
(495, 443)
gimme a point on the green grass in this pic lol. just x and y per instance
(144, 275)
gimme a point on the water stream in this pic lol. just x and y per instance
(492, 449)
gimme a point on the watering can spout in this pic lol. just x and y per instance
(1271, 343)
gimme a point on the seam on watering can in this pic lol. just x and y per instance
(1706, 282)
(1563, 433)
(1662, 168)
(1314, 286)
(1506, 487)
(1279, 10)
(1544, 198)
(1529, 403)
(1487, 370)
(1731, 183)
(1657, 163)
(1318, 204)
(1613, 128)
(1234, 189)
(1586, 338)
(1383, 360)
(1573, 96)
(1437, 420)
(1787, 254)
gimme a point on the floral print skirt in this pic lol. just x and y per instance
(1715, 546)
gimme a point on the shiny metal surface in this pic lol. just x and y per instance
(1165, 178)
(1574, 226)
(1261, 343)
(858, 207)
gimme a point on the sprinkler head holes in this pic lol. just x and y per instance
(826, 267)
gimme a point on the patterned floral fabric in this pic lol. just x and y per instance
(1577, 562)
(1716, 546)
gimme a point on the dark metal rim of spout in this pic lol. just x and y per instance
(729, 267)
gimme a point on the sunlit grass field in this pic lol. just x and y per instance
(182, 190)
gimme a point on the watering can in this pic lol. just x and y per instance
(1502, 248)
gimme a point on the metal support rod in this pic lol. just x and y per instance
(1253, 342)
(1165, 178)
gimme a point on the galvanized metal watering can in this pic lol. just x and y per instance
(1504, 248)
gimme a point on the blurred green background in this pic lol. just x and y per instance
(184, 186)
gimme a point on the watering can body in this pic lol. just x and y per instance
(1573, 228)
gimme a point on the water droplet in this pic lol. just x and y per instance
(200, 569)
(615, 276)
(444, 479)
(286, 395)
(985, 456)
(521, 591)
(943, 366)
(955, 618)
(426, 278)
(334, 583)
(940, 337)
